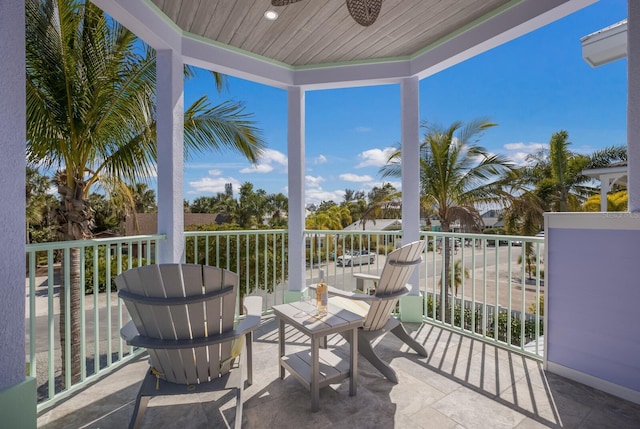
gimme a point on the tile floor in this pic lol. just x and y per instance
(463, 383)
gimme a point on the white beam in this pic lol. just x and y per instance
(605, 185)
(170, 138)
(295, 153)
(410, 135)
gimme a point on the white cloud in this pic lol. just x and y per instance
(320, 159)
(362, 129)
(215, 172)
(265, 164)
(212, 184)
(350, 177)
(314, 182)
(317, 195)
(518, 152)
(530, 147)
(375, 157)
(270, 156)
(258, 168)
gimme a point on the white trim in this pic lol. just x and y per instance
(595, 382)
(594, 221)
(606, 45)
(596, 172)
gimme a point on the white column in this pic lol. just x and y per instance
(295, 149)
(605, 186)
(170, 134)
(410, 135)
(12, 186)
(633, 105)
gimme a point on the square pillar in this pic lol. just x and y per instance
(170, 140)
(410, 135)
(296, 166)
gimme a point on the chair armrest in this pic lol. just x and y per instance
(352, 295)
(362, 297)
(365, 276)
(249, 324)
(339, 292)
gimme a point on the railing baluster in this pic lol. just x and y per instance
(67, 317)
(96, 306)
(83, 336)
(50, 321)
(33, 361)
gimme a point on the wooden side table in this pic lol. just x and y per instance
(317, 367)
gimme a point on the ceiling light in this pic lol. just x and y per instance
(271, 15)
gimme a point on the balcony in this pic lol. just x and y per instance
(488, 356)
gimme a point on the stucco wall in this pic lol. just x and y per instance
(12, 186)
(593, 296)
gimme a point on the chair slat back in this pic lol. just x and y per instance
(183, 321)
(394, 277)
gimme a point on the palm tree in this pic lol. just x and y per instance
(91, 114)
(278, 205)
(144, 198)
(525, 216)
(384, 202)
(556, 173)
(455, 174)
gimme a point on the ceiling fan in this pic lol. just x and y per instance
(364, 12)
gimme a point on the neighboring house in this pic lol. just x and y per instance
(614, 174)
(148, 222)
(375, 225)
(492, 219)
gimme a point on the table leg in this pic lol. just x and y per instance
(281, 347)
(353, 370)
(315, 374)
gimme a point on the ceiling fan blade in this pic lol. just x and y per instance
(283, 2)
(364, 12)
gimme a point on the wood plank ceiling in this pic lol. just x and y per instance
(314, 32)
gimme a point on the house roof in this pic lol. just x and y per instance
(605, 45)
(377, 225)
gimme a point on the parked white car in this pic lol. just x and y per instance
(352, 257)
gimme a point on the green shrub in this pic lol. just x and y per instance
(264, 265)
(89, 274)
(503, 322)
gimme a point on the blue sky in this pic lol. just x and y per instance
(531, 87)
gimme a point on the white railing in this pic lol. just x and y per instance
(100, 316)
(498, 300)
(495, 296)
(259, 257)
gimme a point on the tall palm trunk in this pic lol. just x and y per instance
(74, 218)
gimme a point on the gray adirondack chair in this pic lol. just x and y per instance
(184, 315)
(377, 308)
